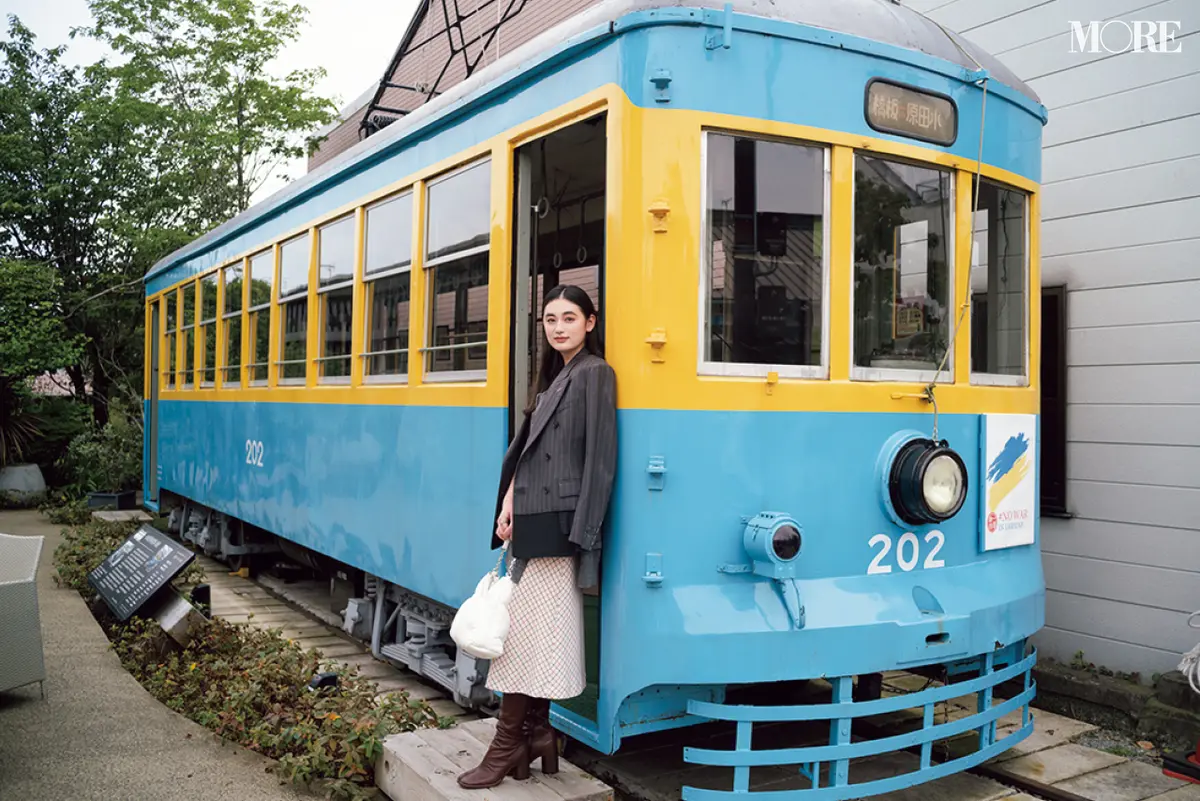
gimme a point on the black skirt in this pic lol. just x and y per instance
(542, 535)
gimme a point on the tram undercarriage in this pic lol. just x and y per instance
(402, 627)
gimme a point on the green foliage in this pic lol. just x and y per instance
(106, 169)
(34, 340)
(62, 419)
(107, 459)
(208, 60)
(251, 686)
(66, 511)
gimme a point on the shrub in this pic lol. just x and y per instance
(62, 420)
(251, 686)
(105, 459)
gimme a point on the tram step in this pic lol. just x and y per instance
(423, 765)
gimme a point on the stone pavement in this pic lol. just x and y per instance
(99, 735)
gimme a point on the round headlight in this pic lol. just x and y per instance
(786, 543)
(928, 482)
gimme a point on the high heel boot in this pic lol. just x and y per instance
(543, 739)
(508, 755)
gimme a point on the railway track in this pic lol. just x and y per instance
(301, 610)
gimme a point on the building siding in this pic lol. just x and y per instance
(1120, 230)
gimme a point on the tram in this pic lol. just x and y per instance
(811, 231)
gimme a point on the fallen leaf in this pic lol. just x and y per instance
(1145, 745)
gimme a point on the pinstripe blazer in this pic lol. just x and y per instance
(564, 457)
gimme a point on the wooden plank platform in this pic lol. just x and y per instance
(118, 516)
(241, 600)
(424, 765)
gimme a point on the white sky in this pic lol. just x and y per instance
(352, 39)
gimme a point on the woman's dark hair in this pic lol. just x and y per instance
(552, 361)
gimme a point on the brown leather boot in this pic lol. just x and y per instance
(543, 739)
(508, 755)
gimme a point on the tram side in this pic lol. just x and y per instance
(755, 535)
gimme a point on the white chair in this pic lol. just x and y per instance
(21, 657)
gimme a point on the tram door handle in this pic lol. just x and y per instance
(790, 591)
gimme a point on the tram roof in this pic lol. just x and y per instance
(885, 21)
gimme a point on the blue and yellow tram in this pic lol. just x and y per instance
(811, 231)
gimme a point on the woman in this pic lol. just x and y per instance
(555, 485)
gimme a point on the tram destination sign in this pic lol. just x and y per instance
(903, 110)
(142, 566)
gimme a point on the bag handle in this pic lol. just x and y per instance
(499, 562)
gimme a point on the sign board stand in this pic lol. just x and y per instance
(136, 579)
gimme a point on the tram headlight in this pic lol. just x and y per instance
(773, 541)
(927, 483)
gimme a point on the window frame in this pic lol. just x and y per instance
(898, 375)
(249, 311)
(170, 333)
(368, 281)
(704, 365)
(982, 379)
(320, 360)
(203, 326)
(281, 303)
(428, 350)
(225, 317)
(192, 285)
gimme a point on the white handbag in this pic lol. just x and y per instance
(481, 623)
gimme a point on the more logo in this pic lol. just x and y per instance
(1119, 36)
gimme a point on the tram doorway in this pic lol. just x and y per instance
(560, 211)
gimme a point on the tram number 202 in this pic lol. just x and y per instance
(254, 452)
(908, 552)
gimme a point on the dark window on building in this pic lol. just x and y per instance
(1054, 401)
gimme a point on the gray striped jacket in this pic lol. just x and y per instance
(564, 457)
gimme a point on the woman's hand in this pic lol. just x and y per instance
(504, 521)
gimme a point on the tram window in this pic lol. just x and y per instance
(188, 333)
(903, 220)
(172, 336)
(208, 328)
(999, 281)
(457, 242)
(294, 259)
(387, 273)
(258, 323)
(765, 255)
(231, 318)
(335, 274)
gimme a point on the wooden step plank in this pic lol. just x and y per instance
(570, 782)
(409, 769)
(466, 752)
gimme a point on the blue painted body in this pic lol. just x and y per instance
(394, 489)
(407, 493)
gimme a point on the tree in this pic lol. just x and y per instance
(106, 169)
(35, 341)
(207, 60)
(91, 185)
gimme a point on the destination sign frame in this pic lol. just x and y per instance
(145, 563)
(895, 108)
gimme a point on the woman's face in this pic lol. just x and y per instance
(565, 326)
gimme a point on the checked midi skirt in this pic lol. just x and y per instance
(543, 653)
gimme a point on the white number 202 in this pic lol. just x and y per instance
(908, 552)
(254, 452)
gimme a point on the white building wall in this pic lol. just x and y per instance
(1121, 231)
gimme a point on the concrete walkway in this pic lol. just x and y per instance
(98, 734)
